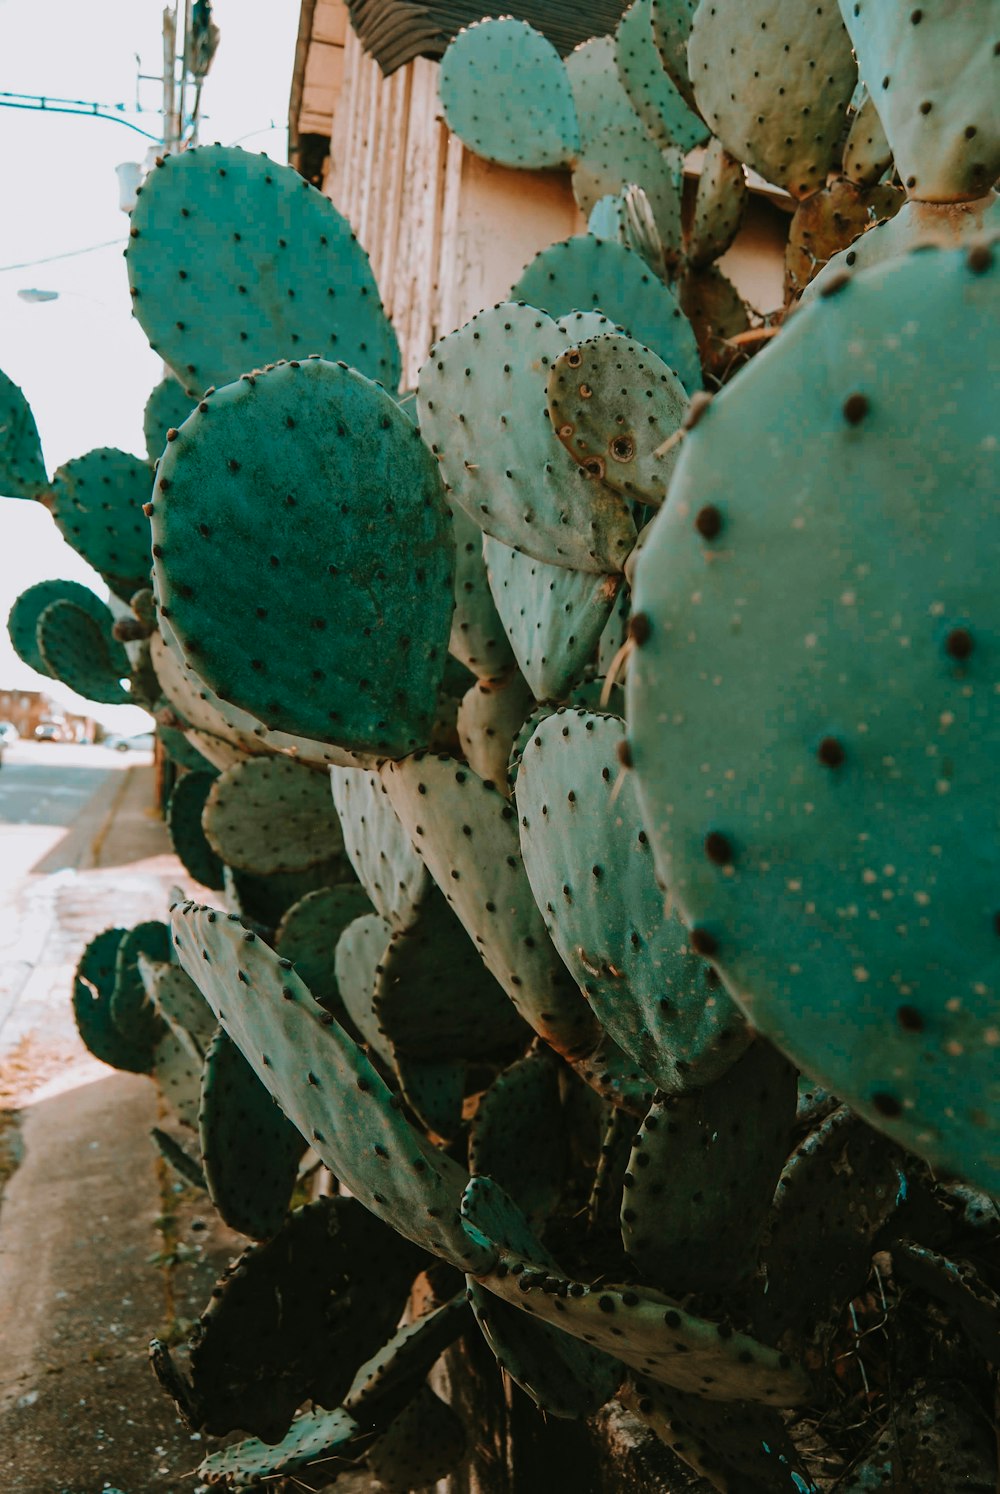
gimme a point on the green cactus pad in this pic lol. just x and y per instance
(425, 1443)
(251, 1153)
(187, 1167)
(477, 636)
(702, 1174)
(499, 458)
(177, 747)
(380, 850)
(466, 833)
(621, 157)
(177, 1065)
(435, 1093)
(356, 960)
(204, 725)
(93, 985)
(314, 1437)
(308, 934)
(289, 1320)
(626, 218)
(131, 1009)
(736, 1446)
(22, 467)
(671, 27)
(867, 153)
(188, 838)
(519, 1137)
(931, 72)
(301, 505)
(635, 1324)
(653, 95)
(490, 716)
(272, 814)
(828, 222)
(590, 866)
(719, 205)
(235, 261)
(584, 274)
(178, 1001)
(505, 94)
(808, 1277)
(97, 502)
(22, 624)
(717, 313)
(324, 1083)
(166, 408)
(857, 925)
(264, 900)
(404, 1361)
(553, 616)
(77, 651)
(613, 403)
(787, 117)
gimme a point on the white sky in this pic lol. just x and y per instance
(81, 360)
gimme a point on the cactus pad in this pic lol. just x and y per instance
(867, 153)
(270, 815)
(586, 274)
(499, 458)
(423, 1444)
(93, 985)
(653, 94)
(853, 913)
(829, 221)
(787, 117)
(519, 1136)
(553, 616)
(505, 94)
(380, 850)
(308, 933)
(302, 540)
(324, 1083)
(178, 1001)
(188, 838)
(719, 205)
(22, 624)
(131, 1008)
(166, 408)
(97, 501)
(590, 866)
(490, 716)
(613, 403)
(671, 26)
(22, 467)
(477, 637)
(77, 650)
(235, 261)
(931, 72)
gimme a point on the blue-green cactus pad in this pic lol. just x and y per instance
(787, 116)
(737, 1447)
(490, 716)
(519, 1134)
(308, 933)
(867, 152)
(194, 706)
(482, 409)
(356, 960)
(304, 556)
(405, 1359)
(22, 467)
(93, 985)
(702, 1174)
(272, 814)
(590, 867)
(671, 25)
(932, 74)
(178, 1000)
(314, 1437)
(613, 403)
(131, 1008)
(380, 850)
(167, 407)
(626, 218)
(842, 739)
(477, 637)
(186, 834)
(22, 624)
(324, 1083)
(635, 1324)
(251, 1153)
(505, 93)
(654, 95)
(584, 274)
(235, 261)
(466, 832)
(553, 616)
(97, 501)
(77, 651)
(177, 1064)
(719, 205)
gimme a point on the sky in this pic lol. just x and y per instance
(81, 360)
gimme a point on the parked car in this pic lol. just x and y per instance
(142, 742)
(49, 731)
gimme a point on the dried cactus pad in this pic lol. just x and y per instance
(931, 72)
(784, 109)
(235, 261)
(304, 557)
(22, 468)
(505, 93)
(813, 714)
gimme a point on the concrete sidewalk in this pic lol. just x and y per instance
(100, 1247)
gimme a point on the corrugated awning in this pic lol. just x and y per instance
(396, 31)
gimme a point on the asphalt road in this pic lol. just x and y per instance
(48, 783)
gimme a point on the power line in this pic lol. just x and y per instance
(39, 103)
(49, 259)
